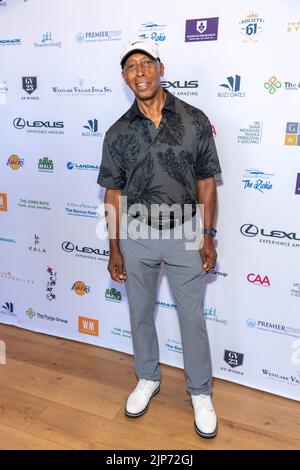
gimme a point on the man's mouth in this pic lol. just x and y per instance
(142, 86)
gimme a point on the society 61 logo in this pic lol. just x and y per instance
(203, 29)
(251, 27)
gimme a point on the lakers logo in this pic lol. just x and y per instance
(80, 288)
(15, 162)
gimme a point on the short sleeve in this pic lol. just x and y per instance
(110, 176)
(207, 161)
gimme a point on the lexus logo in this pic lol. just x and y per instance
(68, 246)
(249, 230)
(19, 123)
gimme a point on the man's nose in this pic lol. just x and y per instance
(140, 70)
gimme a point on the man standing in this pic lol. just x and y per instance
(161, 153)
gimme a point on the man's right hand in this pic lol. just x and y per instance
(116, 267)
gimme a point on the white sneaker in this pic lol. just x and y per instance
(138, 401)
(206, 424)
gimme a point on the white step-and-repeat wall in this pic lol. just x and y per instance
(61, 88)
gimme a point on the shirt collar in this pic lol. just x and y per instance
(169, 105)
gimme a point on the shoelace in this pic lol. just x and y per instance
(143, 385)
(202, 402)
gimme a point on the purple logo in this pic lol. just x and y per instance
(204, 29)
(298, 184)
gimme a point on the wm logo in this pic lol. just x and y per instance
(88, 326)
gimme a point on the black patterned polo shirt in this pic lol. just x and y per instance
(159, 165)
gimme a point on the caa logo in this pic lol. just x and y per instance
(258, 280)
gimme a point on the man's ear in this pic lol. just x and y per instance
(161, 69)
(124, 76)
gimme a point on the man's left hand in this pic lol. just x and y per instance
(208, 253)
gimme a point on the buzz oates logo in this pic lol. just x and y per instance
(271, 237)
(8, 309)
(92, 129)
(233, 85)
(251, 27)
(80, 288)
(181, 87)
(233, 359)
(29, 85)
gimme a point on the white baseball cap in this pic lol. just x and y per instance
(147, 46)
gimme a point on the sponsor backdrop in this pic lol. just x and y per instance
(60, 90)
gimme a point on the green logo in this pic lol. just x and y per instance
(113, 294)
(272, 85)
(30, 313)
(45, 164)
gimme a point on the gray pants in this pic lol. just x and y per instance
(186, 277)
